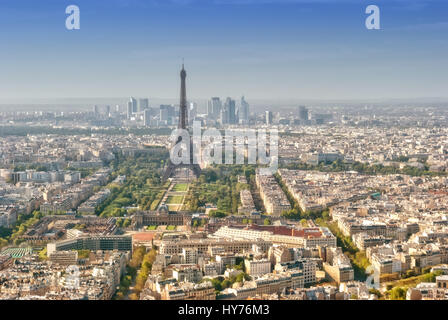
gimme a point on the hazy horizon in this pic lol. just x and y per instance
(86, 104)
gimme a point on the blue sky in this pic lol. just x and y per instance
(265, 49)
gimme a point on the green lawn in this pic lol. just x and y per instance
(174, 200)
(180, 187)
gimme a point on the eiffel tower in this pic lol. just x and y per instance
(190, 170)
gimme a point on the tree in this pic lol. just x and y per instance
(217, 284)
(426, 270)
(137, 257)
(410, 273)
(43, 254)
(83, 254)
(127, 223)
(398, 293)
(431, 277)
(375, 292)
(241, 277)
(267, 222)
(226, 284)
(133, 296)
(217, 214)
(145, 269)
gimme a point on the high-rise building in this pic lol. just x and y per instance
(230, 111)
(108, 110)
(133, 102)
(243, 113)
(224, 115)
(96, 110)
(214, 107)
(143, 104)
(209, 109)
(192, 111)
(163, 116)
(321, 118)
(167, 113)
(303, 113)
(129, 110)
(147, 117)
(269, 117)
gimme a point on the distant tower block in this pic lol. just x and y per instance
(183, 171)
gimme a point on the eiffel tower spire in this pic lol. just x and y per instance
(183, 111)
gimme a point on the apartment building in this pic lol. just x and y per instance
(265, 285)
(64, 257)
(190, 255)
(121, 243)
(257, 267)
(187, 273)
(290, 236)
(247, 202)
(202, 245)
(274, 199)
(307, 267)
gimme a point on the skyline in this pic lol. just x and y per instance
(290, 50)
(227, 157)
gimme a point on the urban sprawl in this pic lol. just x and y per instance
(356, 210)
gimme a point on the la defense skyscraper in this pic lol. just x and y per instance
(183, 170)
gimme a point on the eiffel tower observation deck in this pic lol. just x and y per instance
(190, 170)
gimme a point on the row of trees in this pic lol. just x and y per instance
(123, 223)
(365, 168)
(296, 213)
(138, 269)
(131, 272)
(219, 185)
(358, 258)
(221, 283)
(198, 223)
(24, 221)
(37, 130)
(142, 187)
(396, 290)
(143, 273)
